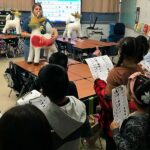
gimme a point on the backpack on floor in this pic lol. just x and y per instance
(20, 80)
(14, 77)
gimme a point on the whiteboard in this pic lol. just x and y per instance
(144, 11)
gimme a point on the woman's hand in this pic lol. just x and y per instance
(25, 34)
(54, 34)
(114, 125)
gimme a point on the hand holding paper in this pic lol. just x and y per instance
(120, 104)
(100, 66)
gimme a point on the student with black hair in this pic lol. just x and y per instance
(134, 133)
(24, 127)
(66, 114)
(132, 51)
(62, 60)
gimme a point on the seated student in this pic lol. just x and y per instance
(66, 115)
(24, 127)
(131, 51)
(62, 60)
(134, 133)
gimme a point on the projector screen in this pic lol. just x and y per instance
(59, 10)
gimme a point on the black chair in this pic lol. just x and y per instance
(117, 34)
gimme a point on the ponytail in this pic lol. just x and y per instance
(121, 58)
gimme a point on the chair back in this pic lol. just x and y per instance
(119, 29)
(118, 33)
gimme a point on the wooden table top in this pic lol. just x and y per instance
(30, 67)
(81, 70)
(85, 88)
(87, 43)
(77, 72)
(7, 36)
(73, 77)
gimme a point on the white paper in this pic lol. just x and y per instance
(99, 66)
(30, 95)
(35, 98)
(40, 102)
(120, 104)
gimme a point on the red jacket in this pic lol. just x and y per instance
(106, 114)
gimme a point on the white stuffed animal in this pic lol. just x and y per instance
(38, 41)
(75, 26)
(10, 24)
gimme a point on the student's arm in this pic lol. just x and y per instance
(112, 81)
(131, 135)
(25, 34)
(99, 87)
(108, 89)
(87, 133)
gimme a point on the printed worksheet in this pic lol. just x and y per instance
(40, 102)
(120, 104)
(27, 97)
(35, 98)
(100, 66)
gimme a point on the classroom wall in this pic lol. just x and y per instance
(97, 9)
(103, 21)
(143, 18)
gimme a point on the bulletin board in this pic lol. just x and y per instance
(128, 12)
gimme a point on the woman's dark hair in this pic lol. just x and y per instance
(36, 4)
(54, 82)
(133, 48)
(24, 127)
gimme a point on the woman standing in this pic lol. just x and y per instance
(47, 28)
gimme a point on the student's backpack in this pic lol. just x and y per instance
(14, 77)
(20, 80)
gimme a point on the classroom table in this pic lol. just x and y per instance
(83, 45)
(85, 88)
(31, 68)
(7, 36)
(86, 43)
(81, 70)
(77, 72)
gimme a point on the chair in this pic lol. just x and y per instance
(117, 32)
